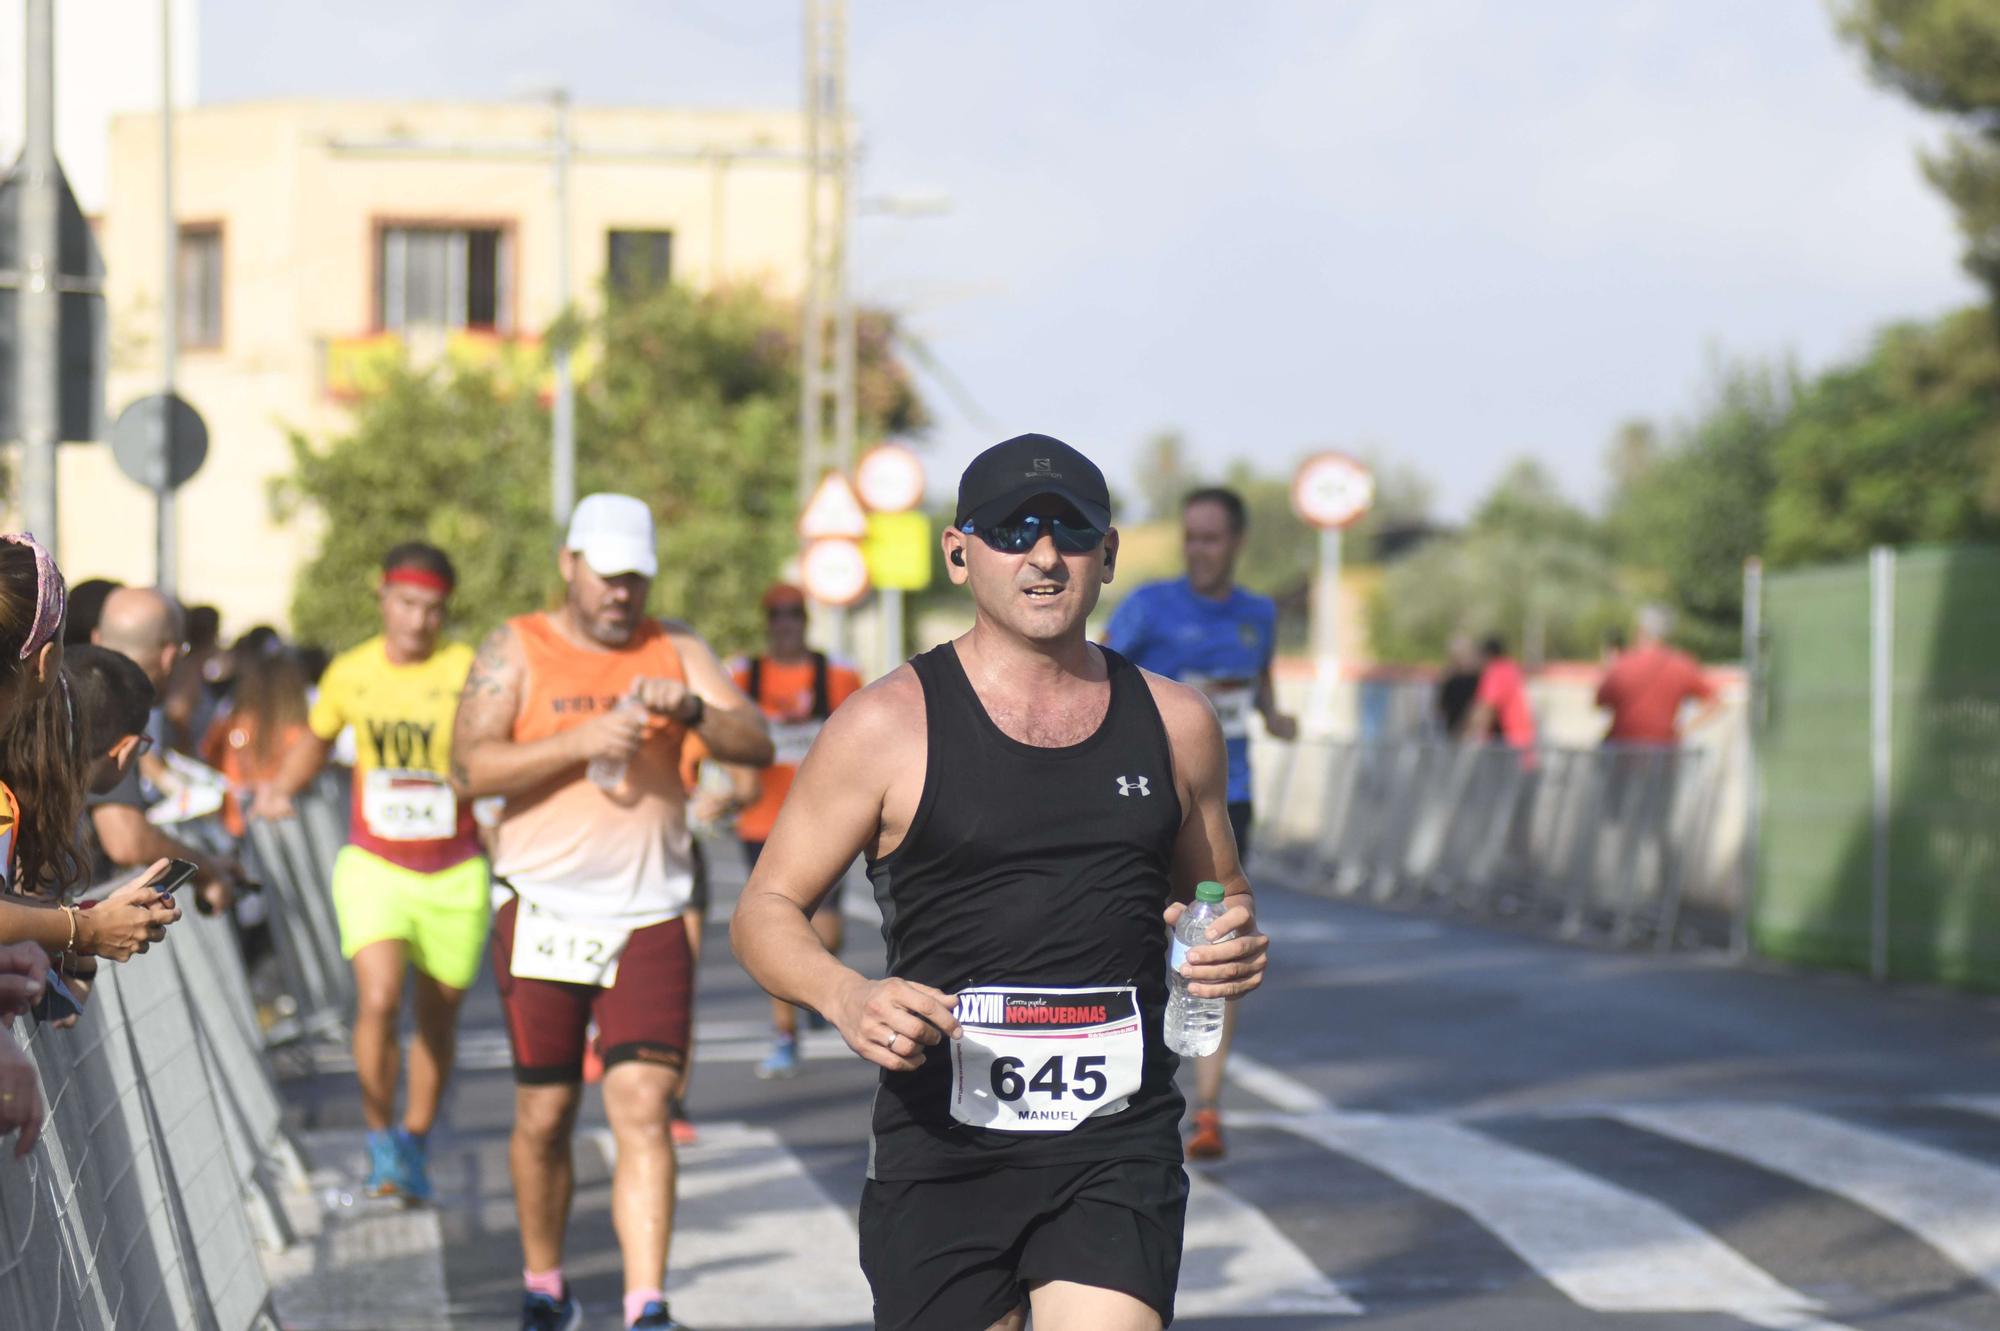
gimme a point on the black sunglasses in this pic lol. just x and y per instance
(1022, 535)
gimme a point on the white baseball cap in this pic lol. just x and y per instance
(614, 534)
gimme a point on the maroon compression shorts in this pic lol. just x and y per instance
(642, 1018)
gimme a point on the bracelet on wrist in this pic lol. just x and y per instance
(694, 718)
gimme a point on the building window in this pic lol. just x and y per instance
(198, 323)
(638, 261)
(444, 277)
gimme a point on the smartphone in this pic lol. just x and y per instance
(176, 877)
(57, 1002)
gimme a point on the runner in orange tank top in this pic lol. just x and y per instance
(797, 689)
(577, 718)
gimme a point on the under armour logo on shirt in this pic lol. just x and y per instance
(1126, 786)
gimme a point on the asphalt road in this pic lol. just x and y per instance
(1435, 1126)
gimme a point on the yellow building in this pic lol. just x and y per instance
(314, 235)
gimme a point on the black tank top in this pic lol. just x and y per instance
(1035, 867)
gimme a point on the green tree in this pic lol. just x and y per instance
(1945, 56)
(1531, 566)
(692, 406)
(1901, 447)
(1163, 475)
(457, 458)
(1686, 514)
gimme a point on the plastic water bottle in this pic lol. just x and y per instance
(1194, 1025)
(609, 773)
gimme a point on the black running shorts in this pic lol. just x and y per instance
(958, 1254)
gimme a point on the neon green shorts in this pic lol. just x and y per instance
(440, 917)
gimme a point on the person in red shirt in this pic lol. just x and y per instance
(1646, 686)
(797, 689)
(1500, 706)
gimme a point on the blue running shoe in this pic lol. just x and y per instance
(782, 1062)
(413, 1173)
(655, 1317)
(385, 1165)
(539, 1312)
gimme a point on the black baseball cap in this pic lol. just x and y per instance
(1016, 470)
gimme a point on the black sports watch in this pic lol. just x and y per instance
(693, 722)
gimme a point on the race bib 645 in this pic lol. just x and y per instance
(1044, 1060)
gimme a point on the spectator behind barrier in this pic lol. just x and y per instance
(266, 715)
(1500, 708)
(145, 625)
(1460, 682)
(1644, 688)
(23, 975)
(188, 701)
(86, 605)
(43, 773)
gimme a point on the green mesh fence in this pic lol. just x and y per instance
(1812, 900)
(1816, 863)
(1944, 783)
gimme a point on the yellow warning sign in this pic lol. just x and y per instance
(899, 547)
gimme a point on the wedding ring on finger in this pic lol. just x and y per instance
(889, 1041)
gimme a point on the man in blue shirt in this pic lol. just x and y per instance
(1206, 631)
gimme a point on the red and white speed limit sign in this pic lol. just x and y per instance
(1332, 490)
(890, 479)
(834, 572)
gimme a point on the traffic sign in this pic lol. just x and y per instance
(834, 513)
(834, 572)
(1332, 490)
(890, 479)
(899, 549)
(160, 441)
(81, 339)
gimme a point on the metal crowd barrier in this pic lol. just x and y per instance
(144, 1202)
(1612, 841)
(293, 858)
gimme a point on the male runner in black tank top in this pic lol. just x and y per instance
(1032, 808)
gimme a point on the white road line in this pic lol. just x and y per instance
(1266, 1082)
(757, 1242)
(1946, 1200)
(1609, 1249)
(1236, 1263)
(1988, 1105)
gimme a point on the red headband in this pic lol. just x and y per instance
(411, 576)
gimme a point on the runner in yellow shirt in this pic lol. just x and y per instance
(411, 886)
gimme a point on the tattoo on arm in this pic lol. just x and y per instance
(491, 694)
(492, 669)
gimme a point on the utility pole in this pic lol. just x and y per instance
(827, 369)
(562, 477)
(40, 303)
(166, 564)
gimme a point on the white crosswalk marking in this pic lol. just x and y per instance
(1235, 1262)
(756, 1240)
(758, 1243)
(1609, 1249)
(1946, 1200)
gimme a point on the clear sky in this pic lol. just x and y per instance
(1451, 232)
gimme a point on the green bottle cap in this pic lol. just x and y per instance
(1208, 892)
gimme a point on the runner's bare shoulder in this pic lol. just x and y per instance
(1194, 735)
(874, 734)
(1185, 709)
